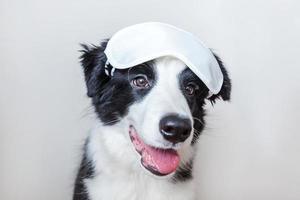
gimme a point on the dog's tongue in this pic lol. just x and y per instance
(162, 161)
(158, 161)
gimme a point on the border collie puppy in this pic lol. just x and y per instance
(149, 119)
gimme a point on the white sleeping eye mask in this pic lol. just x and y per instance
(143, 42)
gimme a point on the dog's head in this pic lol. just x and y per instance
(158, 105)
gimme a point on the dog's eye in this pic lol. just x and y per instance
(140, 82)
(191, 88)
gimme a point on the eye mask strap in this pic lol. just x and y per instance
(109, 70)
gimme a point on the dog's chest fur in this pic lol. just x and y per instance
(137, 187)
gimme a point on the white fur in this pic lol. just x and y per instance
(118, 172)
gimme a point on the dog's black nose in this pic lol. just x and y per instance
(175, 128)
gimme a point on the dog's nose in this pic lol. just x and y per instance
(175, 128)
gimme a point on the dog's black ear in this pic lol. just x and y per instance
(226, 86)
(93, 61)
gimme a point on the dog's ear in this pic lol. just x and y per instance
(226, 86)
(93, 61)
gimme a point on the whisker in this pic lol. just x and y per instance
(110, 122)
(199, 120)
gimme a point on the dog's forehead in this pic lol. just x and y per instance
(169, 67)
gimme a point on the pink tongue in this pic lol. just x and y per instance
(163, 161)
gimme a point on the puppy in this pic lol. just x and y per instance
(150, 117)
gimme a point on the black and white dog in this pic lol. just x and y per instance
(150, 117)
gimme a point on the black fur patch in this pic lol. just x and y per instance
(183, 173)
(86, 171)
(196, 101)
(111, 95)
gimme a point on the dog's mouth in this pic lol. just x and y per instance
(158, 161)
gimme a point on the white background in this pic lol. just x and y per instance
(250, 149)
